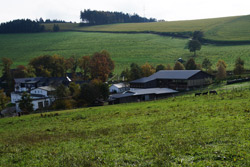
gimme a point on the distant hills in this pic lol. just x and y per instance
(234, 28)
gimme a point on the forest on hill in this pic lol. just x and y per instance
(94, 17)
(21, 26)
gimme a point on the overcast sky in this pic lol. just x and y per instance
(168, 10)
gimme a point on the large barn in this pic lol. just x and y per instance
(174, 79)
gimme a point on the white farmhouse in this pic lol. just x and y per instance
(41, 97)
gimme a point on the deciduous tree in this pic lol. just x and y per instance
(3, 100)
(169, 67)
(147, 70)
(206, 64)
(194, 45)
(191, 65)
(221, 67)
(101, 65)
(179, 66)
(239, 66)
(160, 67)
(135, 71)
(49, 66)
(84, 64)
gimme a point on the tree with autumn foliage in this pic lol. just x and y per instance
(147, 70)
(49, 66)
(101, 65)
(221, 70)
(169, 67)
(24, 72)
(179, 66)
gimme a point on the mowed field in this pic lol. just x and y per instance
(212, 130)
(222, 29)
(123, 48)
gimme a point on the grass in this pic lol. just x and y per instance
(124, 48)
(182, 131)
(222, 29)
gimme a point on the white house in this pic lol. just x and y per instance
(41, 97)
(118, 88)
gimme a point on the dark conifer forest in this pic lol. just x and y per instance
(94, 17)
(21, 26)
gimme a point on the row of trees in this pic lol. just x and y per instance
(135, 71)
(21, 26)
(94, 17)
(98, 66)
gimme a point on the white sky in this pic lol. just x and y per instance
(168, 10)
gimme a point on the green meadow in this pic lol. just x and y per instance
(123, 48)
(212, 130)
(222, 29)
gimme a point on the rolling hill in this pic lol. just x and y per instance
(127, 48)
(223, 29)
(186, 130)
(124, 48)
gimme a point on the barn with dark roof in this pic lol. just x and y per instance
(174, 79)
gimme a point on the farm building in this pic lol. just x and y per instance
(28, 84)
(137, 95)
(41, 97)
(41, 90)
(174, 79)
(118, 88)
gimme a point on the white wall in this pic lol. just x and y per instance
(15, 97)
(39, 91)
(113, 89)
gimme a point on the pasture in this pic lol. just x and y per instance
(222, 29)
(124, 48)
(210, 130)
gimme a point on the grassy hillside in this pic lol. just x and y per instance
(124, 48)
(222, 29)
(182, 131)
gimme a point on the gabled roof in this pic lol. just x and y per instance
(168, 74)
